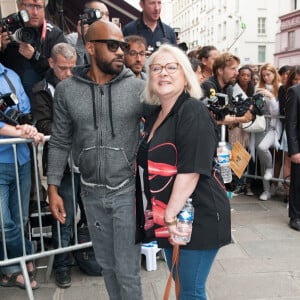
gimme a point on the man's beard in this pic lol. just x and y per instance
(107, 67)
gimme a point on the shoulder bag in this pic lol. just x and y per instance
(257, 125)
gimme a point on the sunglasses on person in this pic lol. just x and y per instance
(113, 45)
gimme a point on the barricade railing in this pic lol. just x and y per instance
(258, 173)
(43, 252)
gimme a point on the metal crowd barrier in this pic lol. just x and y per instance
(43, 252)
(257, 174)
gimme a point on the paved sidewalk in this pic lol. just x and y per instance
(262, 263)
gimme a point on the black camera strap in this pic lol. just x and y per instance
(13, 89)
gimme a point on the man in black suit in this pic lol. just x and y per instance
(292, 115)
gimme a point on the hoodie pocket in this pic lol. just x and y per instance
(105, 166)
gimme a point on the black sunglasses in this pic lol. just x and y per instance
(113, 45)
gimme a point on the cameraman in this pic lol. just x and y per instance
(225, 69)
(30, 61)
(12, 274)
(76, 39)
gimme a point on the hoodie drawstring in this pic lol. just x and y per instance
(110, 112)
(94, 108)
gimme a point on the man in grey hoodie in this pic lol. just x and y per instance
(96, 116)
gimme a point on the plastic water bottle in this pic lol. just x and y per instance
(223, 154)
(185, 220)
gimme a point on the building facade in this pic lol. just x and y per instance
(287, 48)
(246, 29)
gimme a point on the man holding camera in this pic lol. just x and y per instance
(89, 16)
(30, 60)
(225, 70)
(10, 210)
(150, 26)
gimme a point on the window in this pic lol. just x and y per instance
(291, 40)
(261, 26)
(261, 54)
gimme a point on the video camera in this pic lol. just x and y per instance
(12, 116)
(90, 15)
(14, 25)
(221, 105)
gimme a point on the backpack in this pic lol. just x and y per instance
(85, 258)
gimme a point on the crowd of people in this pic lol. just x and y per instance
(126, 114)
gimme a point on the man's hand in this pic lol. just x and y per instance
(4, 40)
(26, 50)
(56, 204)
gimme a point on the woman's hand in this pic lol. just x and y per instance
(174, 232)
(265, 93)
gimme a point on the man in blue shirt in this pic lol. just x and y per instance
(10, 211)
(150, 26)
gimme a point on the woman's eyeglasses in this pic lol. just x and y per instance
(170, 68)
(113, 45)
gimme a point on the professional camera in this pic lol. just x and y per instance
(219, 104)
(14, 25)
(255, 104)
(12, 116)
(8, 99)
(90, 15)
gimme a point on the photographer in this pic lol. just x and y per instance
(30, 60)
(225, 69)
(76, 39)
(12, 275)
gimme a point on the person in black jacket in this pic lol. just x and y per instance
(292, 126)
(30, 61)
(150, 26)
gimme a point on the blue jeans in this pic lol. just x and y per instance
(111, 223)
(193, 270)
(62, 261)
(11, 212)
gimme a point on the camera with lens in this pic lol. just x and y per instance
(255, 104)
(90, 15)
(14, 24)
(219, 105)
(12, 116)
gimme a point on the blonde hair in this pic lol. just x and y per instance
(276, 80)
(192, 87)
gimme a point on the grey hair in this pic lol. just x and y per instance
(193, 86)
(64, 49)
(19, 2)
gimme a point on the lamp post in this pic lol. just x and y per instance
(242, 27)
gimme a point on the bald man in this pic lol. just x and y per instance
(76, 39)
(96, 116)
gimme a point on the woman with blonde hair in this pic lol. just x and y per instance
(268, 86)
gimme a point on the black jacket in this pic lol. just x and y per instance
(292, 122)
(42, 109)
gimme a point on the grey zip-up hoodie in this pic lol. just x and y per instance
(100, 124)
